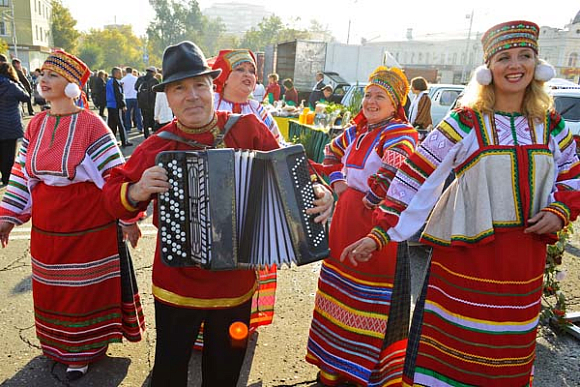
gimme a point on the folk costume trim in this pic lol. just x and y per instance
(393, 81)
(503, 36)
(68, 66)
(54, 170)
(171, 298)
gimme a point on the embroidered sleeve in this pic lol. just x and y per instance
(417, 185)
(105, 154)
(394, 151)
(270, 122)
(334, 153)
(115, 189)
(16, 202)
(566, 198)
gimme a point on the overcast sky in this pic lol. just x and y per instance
(372, 19)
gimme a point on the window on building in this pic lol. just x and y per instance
(4, 3)
(37, 38)
(573, 60)
(454, 58)
(412, 58)
(3, 28)
(41, 33)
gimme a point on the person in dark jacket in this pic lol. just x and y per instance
(11, 95)
(24, 82)
(316, 94)
(146, 98)
(116, 105)
(99, 93)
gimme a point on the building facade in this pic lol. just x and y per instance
(455, 59)
(25, 26)
(561, 48)
(237, 17)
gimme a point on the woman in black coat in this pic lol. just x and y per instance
(100, 99)
(11, 95)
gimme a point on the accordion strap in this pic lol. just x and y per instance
(232, 120)
(174, 137)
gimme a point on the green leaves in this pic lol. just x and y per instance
(64, 34)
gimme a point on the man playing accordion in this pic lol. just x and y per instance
(186, 297)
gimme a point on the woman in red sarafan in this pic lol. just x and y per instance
(361, 313)
(83, 284)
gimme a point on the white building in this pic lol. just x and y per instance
(455, 59)
(237, 17)
(561, 48)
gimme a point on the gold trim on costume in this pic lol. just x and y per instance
(124, 200)
(176, 299)
(206, 128)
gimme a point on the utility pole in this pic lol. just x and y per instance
(14, 38)
(348, 33)
(349, 22)
(463, 72)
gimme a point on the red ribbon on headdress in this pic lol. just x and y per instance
(221, 62)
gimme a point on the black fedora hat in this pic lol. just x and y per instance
(181, 61)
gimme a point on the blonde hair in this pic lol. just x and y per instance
(536, 101)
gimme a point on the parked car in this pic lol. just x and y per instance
(567, 102)
(442, 98)
(353, 94)
(339, 85)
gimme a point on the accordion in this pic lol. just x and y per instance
(229, 209)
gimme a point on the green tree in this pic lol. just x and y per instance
(319, 31)
(64, 34)
(91, 54)
(178, 20)
(271, 30)
(212, 36)
(118, 45)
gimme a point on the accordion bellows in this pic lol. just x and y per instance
(230, 209)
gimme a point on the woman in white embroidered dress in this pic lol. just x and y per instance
(82, 281)
(517, 185)
(235, 85)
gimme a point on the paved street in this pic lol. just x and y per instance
(275, 356)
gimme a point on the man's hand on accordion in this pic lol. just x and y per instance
(153, 181)
(322, 205)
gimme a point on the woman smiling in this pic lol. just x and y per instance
(517, 185)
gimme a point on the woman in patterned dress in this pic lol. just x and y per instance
(360, 319)
(80, 305)
(233, 90)
(516, 185)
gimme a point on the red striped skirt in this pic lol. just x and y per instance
(478, 323)
(76, 272)
(357, 334)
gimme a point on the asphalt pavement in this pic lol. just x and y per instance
(275, 356)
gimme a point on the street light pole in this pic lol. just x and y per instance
(463, 72)
(14, 38)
